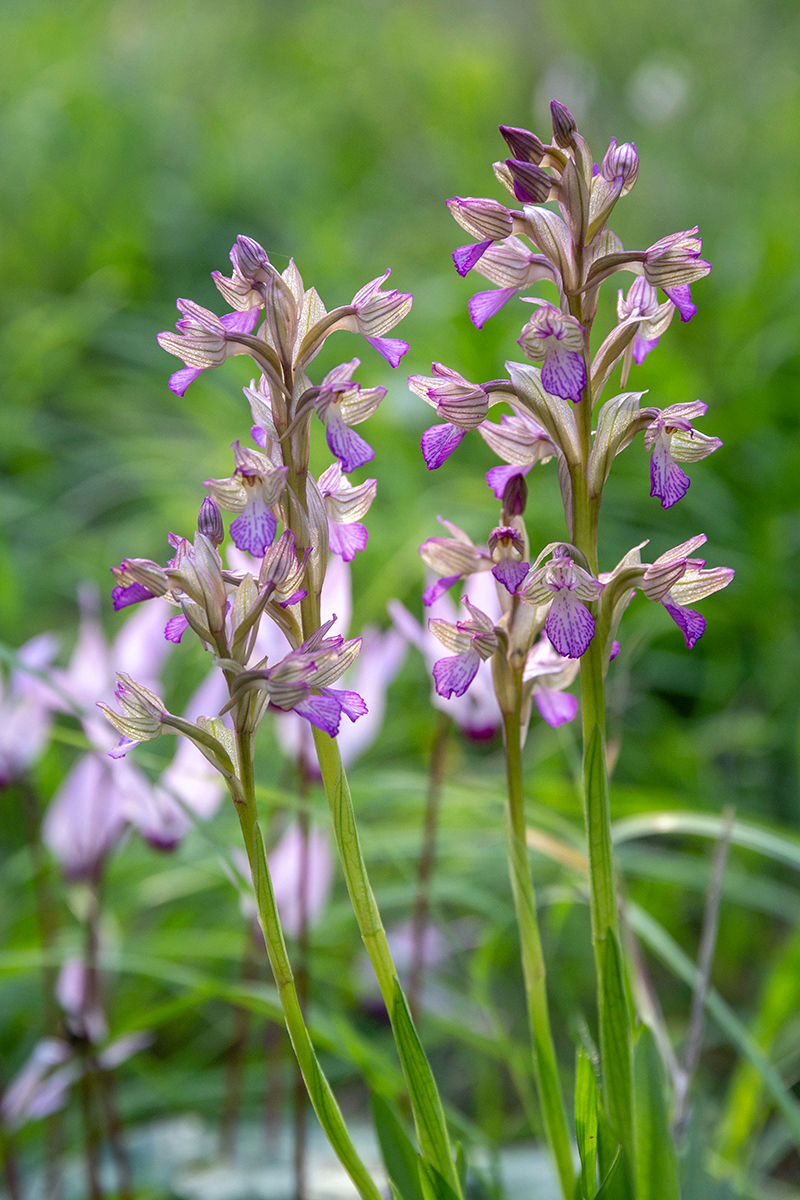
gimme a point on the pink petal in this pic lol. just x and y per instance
(176, 627)
(681, 297)
(254, 529)
(498, 478)
(347, 540)
(510, 574)
(439, 442)
(241, 322)
(484, 305)
(348, 446)
(180, 380)
(563, 372)
(454, 674)
(667, 480)
(569, 624)
(556, 708)
(465, 257)
(392, 349)
(438, 589)
(690, 622)
(324, 712)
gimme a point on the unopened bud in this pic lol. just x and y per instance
(515, 496)
(564, 125)
(531, 184)
(524, 146)
(621, 162)
(209, 521)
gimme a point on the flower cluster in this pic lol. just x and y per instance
(278, 579)
(551, 610)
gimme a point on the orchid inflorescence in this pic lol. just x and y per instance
(561, 596)
(282, 326)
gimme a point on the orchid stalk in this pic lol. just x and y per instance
(558, 610)
(282, 326)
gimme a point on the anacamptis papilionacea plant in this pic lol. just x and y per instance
(558, 605)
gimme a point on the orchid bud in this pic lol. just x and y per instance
(531, 184)
(143, 712)
(524, 146)
(564, 125)
(515, 495)
(209, 522)
(281, 313)
(621, 162)
(144, 572)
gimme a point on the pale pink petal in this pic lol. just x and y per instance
(555, 707)
(484, 305)
(453, 675)
(563, 371)
(667, 481)
(569, 624)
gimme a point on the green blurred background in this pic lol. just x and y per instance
(139, 137)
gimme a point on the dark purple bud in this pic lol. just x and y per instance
(564, 125)
(531, 184)
(209, 521)
(515, 496)
(523, 145)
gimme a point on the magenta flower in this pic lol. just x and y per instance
(25, 710)
(642, 303)
(476, 711)
(463, 405)
(674, 261)
(520, 442)
(375, 312)
(513, 268)
(453, 558)
(345, 505)
(484, 219)
(564, 585)
(548, 673)
(672, 438)
(341, 403)
(251, 491)
(556, 341)
(506, 548)
(474, 641)
(676, 580)
(204, 340)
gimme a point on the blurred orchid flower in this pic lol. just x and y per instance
(100, 795)
(25, 715)
(476, 713)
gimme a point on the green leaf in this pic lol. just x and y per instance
(399, 1154)
(428, 1111)
(434, 1185)
(656, 1164)
(779, 846)
(586, 1123)
(615, 1043)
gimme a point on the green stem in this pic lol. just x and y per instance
(427, 1107)
(533, 965)
(319, 1090)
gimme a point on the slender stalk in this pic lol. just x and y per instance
(616, 1045)
(708, 945)
(47, 917)
(317, 1085)
(9, 1161)
(299, 1117)
(427, 859)
(430, 1124)
(533, 964)
(91, 1136)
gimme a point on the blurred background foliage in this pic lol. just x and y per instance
(139, 137)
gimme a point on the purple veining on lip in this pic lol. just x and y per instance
(439, 442)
